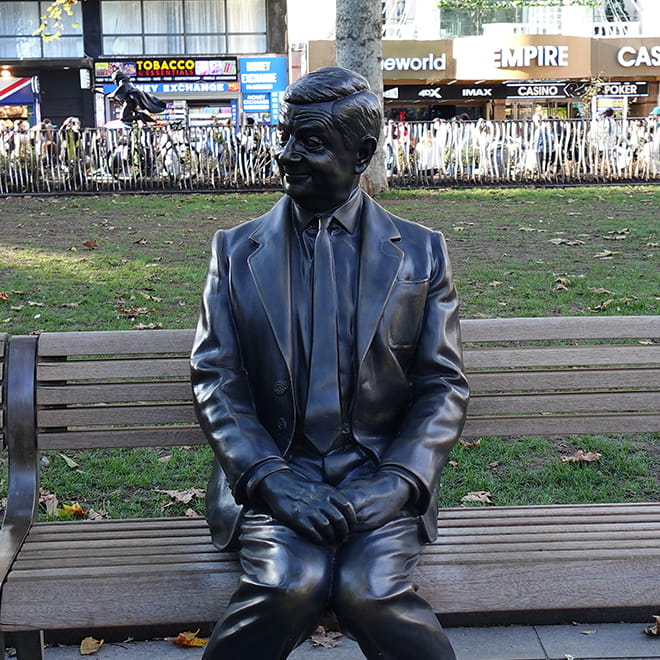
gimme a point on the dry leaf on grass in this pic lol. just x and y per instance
(69, 461)
(74, 510)
(188, 639)
(184, 496)
(469, 445)
(581, 456)
(654, 629)
(328, 639)
(90, 244)
(49, 500)
(89, 645)
(481, 496)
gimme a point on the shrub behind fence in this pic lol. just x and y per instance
(418, 154)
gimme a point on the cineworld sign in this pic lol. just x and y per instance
(429, 63)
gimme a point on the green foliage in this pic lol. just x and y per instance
(505, 4)
(52, 22)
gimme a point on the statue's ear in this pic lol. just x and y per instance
(365, 152)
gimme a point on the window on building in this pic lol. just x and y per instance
(18, 21)
(191, 27)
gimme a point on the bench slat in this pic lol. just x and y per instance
(99, 416)
(574, 356)
(118, 342)
(97, 370)
(558, 327)
(567, 379)
(560, 425)
(158, 436)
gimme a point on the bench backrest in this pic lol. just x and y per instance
(529, 376)
(3, 394)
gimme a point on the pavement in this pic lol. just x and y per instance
(592, 641)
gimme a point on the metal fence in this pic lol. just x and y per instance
(418, 154)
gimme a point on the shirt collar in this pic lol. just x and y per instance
(346, 214)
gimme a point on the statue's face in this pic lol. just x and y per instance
(318, 170)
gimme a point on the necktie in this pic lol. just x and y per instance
(323, 412)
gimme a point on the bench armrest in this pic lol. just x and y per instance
(21, 441)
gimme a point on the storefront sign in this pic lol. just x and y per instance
(170, 68)
(182, 88)
(529, 55)
(429, 63)
(263, 74)
(642, 56)
(523, 90)
(256, 102)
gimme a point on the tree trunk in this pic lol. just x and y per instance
(359, 48)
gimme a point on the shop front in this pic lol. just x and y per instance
(198, 92)
(515, 77)
(19, 100)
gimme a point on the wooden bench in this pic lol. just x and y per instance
(81, 390)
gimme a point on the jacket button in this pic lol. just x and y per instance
(281, 424)
(280, 387)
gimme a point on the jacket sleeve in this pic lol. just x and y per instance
(435, 418)
(221, 392)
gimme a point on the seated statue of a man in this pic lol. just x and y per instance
(327, 376)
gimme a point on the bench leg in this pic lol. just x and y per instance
(29, 645)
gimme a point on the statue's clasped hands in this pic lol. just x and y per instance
(327, 515)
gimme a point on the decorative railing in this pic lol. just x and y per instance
(418, 154)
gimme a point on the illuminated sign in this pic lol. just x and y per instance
(643, 56)
(524, 56)
(429, 63)
(161, 69)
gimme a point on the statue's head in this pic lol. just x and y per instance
(330, 121)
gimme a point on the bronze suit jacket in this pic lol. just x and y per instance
(410, 394)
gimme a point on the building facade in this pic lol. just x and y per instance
(516, 63)
(208, 59)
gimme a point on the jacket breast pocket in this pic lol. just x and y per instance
(404, 313)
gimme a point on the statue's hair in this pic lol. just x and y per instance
(357, 110)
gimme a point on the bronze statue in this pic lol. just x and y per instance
(327, 376)
(134, 100)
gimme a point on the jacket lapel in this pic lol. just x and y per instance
(380, 259)
(269, 267)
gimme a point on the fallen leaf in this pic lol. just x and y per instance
(600, 290)
(604, 305)
(452, 463)
(605, 254)
(565, 241)
(89, 645)
(588, 632)
(69, 461)
(147, 326)
(481, 496)
(494, 284)
(4, 295)
(188, 639)
(191, 513)
(91, 244)
(655, 629)
(469, 445)
(581, 456)
(101, 514)
(184, 496)
(49, 500)
(74, 510)
(328, 639)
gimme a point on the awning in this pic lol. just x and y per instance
(16, 91)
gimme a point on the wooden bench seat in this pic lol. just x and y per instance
(130, 389)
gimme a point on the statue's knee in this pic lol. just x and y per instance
(296, 584)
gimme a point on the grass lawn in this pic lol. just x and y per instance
(126, 261)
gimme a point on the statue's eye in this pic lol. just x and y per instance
(313, 143)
